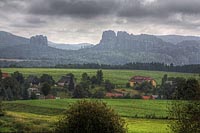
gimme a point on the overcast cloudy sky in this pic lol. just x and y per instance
(76, 21)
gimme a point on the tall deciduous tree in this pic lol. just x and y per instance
(47, 78)
(1, 109)
(46, 88)
(18, 76)
(187, 112)
(99, 76)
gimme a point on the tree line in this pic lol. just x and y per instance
(195, 68)
(16, 86)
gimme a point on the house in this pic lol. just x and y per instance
(32, 90)
(64, 80)
(5, 75)
(140, 79)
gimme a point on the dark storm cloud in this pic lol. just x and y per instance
(80, 16)
(12, 6)
(35, 20)
(74, 8)
(159, 8)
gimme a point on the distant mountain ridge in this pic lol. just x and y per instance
(177, 38)
(113, 48)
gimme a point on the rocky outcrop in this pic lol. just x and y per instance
(109, 39)
(39, 40)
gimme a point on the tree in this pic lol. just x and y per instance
(145, 87)
(11, 88)
(85, 77)
(71, 85)
(1, 109)
(187, 90)
(18, 76)
(80, 92)
(99, 94)
(25, 87)
(93, 80)
(186, 113)
(90, 117)
(99, 76)
(33, 79)
(109, 86)
(164, 79)
(46, 88)
(47, 78)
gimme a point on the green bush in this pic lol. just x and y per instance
(90, 117)
(1, 109)
(186, 115)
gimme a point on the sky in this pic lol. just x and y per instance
(80, 21)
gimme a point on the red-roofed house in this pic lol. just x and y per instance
(5, 75)
(147, 97)
(140, 79)
(114, 95)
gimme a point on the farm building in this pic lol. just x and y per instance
(65, 80)
(36, 91)
(140, 79)
(114, 95)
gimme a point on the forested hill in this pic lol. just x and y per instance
(113, 49)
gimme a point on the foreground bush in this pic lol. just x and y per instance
(186, 115)
(1, 109)
(90, 117)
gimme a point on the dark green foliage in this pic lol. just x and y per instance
(99, 77)
(71, 75)
(18, 76)
(174, 88)
(99, 94)
(25, 87)
(90, 117)
(71, 85)
(33, 95)
(128, 85)
(109, 86)
(145, 87)
(46, 88)
(1, 109)
(47, 78)
(93, 80)
(188, 90)
(33, 79)
(80, 92)
(186, 115)
(154, 66)
(85, 77)
(164, 79)
(10, 89)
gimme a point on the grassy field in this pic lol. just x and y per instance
(41, 115)
(116, 76)
(125, 107)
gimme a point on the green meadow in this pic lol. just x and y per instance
(116, 76)
(141, 116)
(41, 115)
